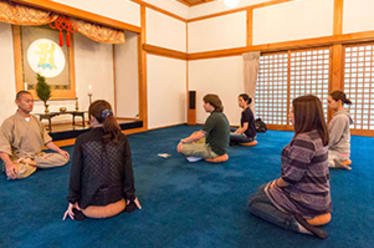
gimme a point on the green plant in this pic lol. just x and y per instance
(43, 90)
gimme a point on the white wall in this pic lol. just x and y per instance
(122, 10)
(7, 79)
(220, 32)
(165, 31)
(293, 21)
(172, 6)
(166, 91)
(94, 66)
(127, 77)
(358, 15)
(221, 76)
(218, 6)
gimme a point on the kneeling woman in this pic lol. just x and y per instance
(247, 130)
(101, 178)
(300, 199)
(339, 133)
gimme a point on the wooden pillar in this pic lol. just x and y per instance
(142, 67)
(337, 69)
(249, 27)
(337, 53)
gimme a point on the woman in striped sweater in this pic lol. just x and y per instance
(300, 198)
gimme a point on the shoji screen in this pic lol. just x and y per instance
(271, 89)
(359, 85)
(286, 75)
(309, 74)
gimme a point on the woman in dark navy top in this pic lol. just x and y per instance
(247, 130)
(101, 178)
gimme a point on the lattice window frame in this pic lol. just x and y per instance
(310, 73)
(272, 81)
(292, 86)
(358, 83)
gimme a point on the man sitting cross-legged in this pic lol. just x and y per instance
(22, 137)
(216, 132)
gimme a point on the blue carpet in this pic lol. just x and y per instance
(188, 204)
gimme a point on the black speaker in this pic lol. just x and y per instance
(192, 99)
(191, 111)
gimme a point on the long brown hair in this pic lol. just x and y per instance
(308, 114)
(340, 95)
(102, 111)
(214, 100)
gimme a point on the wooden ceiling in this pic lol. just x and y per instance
(193, 2)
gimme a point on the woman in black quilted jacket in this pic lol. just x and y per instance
(101, 178)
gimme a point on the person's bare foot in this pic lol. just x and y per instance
(179, 147)
(342, 165)
(347, 162)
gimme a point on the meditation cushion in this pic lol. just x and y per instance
(252, 143)
(320, 220)
(346, 162)
(218, 159)
(107, 211)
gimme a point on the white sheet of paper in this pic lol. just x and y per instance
(164, 155)
(193, 159)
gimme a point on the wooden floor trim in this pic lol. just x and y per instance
(66, 142)
(167, 126)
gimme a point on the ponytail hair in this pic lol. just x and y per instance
(340, 95)
(246, 98)
(102, 111)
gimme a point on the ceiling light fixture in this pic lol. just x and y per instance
(231, 3)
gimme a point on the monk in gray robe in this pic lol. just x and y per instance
(22, 137)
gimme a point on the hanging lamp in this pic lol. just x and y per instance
(231, 3)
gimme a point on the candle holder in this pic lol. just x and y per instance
(90, 98)
(76, 104)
